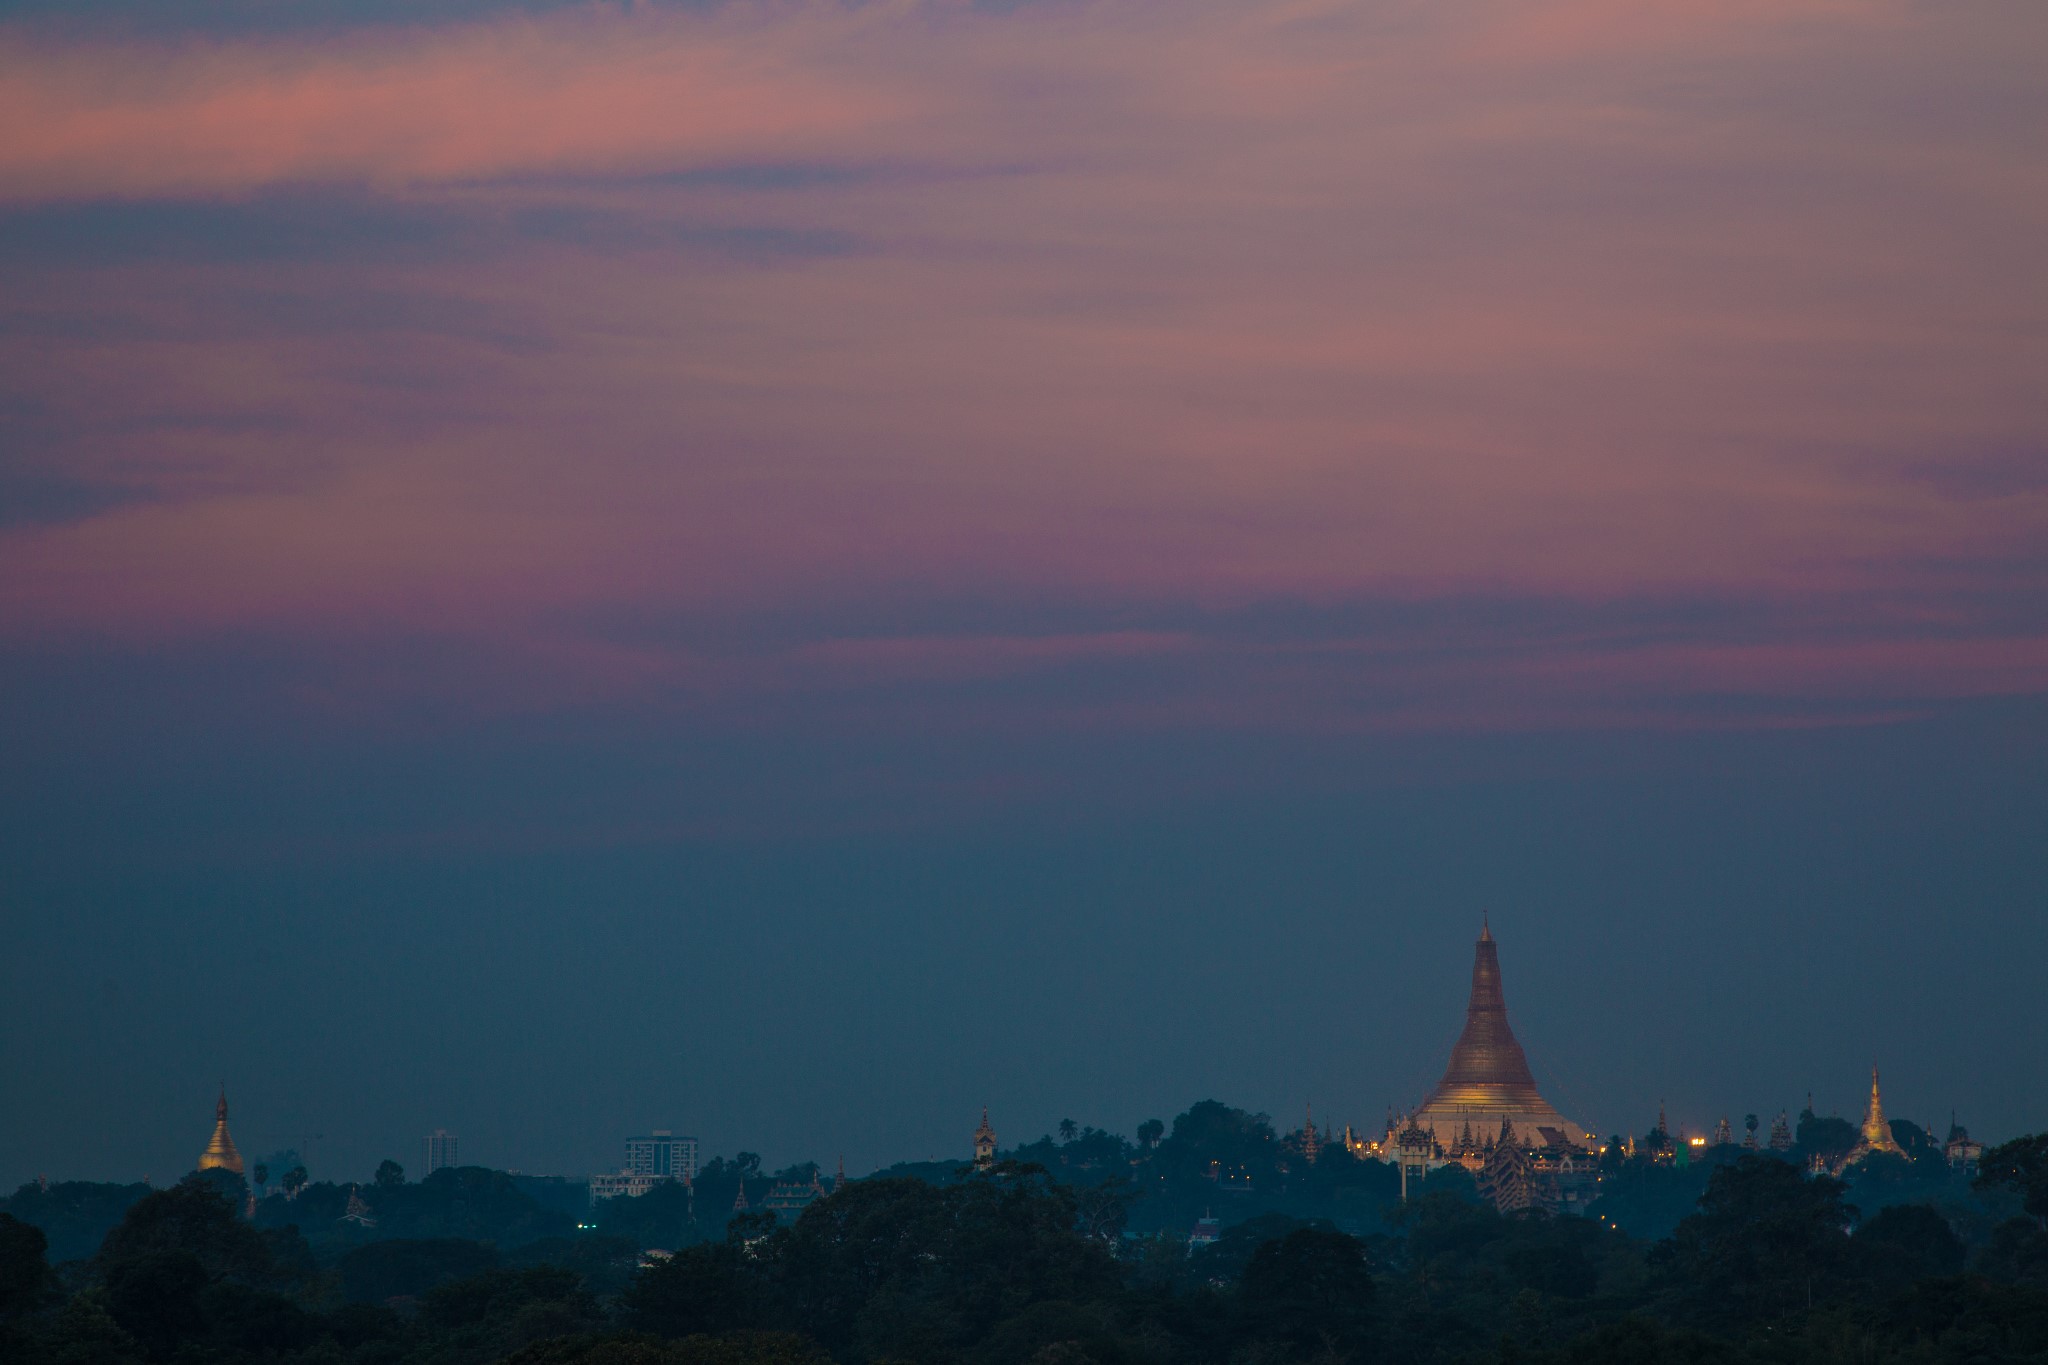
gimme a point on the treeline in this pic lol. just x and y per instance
(1212, 1160)
(1015, 1267)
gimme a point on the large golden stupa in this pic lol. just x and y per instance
(1488, 1080)
(220, 1153)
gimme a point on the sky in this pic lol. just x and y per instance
(786, 571)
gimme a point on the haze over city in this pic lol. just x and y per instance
(791, 571)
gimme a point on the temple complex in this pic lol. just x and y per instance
(220, 1153)
(1487, 1115)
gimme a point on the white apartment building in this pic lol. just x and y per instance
(662, 1155)
(440, 1151)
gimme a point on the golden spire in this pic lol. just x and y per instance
(1877, 1134)
(1487, 1067)
(984, 1142)
(220, 1153)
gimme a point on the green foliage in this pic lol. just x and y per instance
(1904, 1244)
(1010, 1267)
(606, 1264)
(468, 1203)
(735, 1348)
(894, 1267)
(1830, 1138)
(1639, 1340)
(663, 1217)
(2017, 1253)
(193, 1220)
(75, 1215)
(1648, 1200)
(24, 1273)
(390, 1175)
(1454, 1181)
(1214, 1134)
(707, 1288)
(1881, 1179)
(2021, 1165)
(409, 1267)
(1766, 1240)
(1311, 1291)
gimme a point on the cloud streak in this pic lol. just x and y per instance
(1185, 312)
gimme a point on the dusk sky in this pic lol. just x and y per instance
(789, 570)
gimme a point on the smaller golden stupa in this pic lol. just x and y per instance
(220, 1154)
(1877, 1134)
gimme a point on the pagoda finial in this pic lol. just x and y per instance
(1485, 927)
(220, 1110)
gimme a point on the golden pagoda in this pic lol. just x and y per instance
(1488, 1084)
(984, 1143)
(220, 1153)
(1877, 1134)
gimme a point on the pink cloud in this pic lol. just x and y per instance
(1181, 307)
(598, 91)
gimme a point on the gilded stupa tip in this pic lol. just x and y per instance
(1485, 927)
(220, 1153)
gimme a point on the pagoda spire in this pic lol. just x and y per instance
(1877, 1134)
(984, 1143)
(220, 1153)
(1488, 1068)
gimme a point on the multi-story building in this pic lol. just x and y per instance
(650, 1160)
(631, 1183)
(441, 1147)
(663, 1155)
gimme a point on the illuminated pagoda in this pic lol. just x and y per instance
(1487, 1085)
(1877, 1134)
(1309, 1140)
(984, 1143)
(220, 1153)
(1487, 1115)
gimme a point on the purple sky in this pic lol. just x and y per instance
(793, 569)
